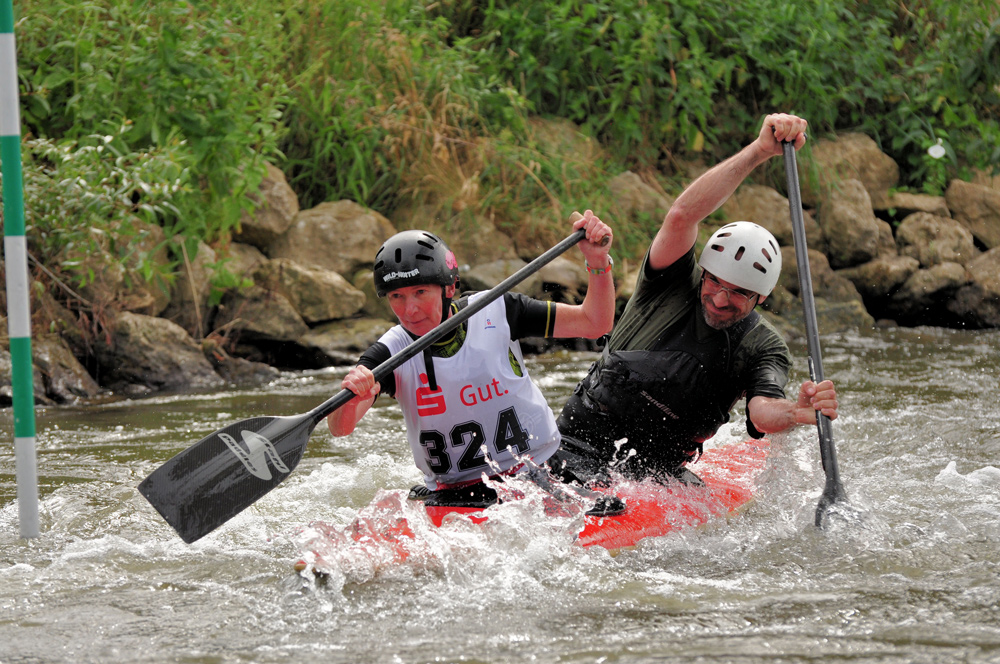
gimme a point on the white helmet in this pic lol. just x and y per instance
(743, 254)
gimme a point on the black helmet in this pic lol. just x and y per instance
(414, 258)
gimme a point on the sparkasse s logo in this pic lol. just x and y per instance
(429, 402)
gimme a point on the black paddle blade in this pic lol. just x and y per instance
(220, 476)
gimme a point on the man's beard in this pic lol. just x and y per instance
(731, 318)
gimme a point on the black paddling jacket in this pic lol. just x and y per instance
(667, 381)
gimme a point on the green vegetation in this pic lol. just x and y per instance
(141, 114)
(138, 117)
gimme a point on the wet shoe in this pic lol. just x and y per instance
(607, 506)
(419, 492)
(478, 495)
(684, 475)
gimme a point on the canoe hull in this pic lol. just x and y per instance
(383, 536)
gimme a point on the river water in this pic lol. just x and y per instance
(910, 573)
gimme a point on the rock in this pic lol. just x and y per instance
(6, 378)
(880, 278)
(923, 296)
(108, 275)
(906, 204)
(275, 208)
(189, 305)
(342, 237)
(563, 139)
(849, 225)
(932, 239)
(49, 315)
(147, 354)
(147, 297)
(114, 279)
(485, 243)
(781, 301)
(831, 317)
(983, 270)
(564, 280)
(626, 276)
(242, 260)
(834, 317)
(978, 304)
(375, 306)
(257, 314)
(826, 283)
(886, 241)
(485, 277)
(237, 370)
(634, 199)
(342, 342)
(317, 295)
(985, 178)
(977, 208)
(474, 240)
(848, 157)
(765, 206)
(65, 379)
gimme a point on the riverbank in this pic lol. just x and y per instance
(302, 296)
(165, 253)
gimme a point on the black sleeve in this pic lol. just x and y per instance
(680, 270)
(770, 377)
(768, 372)
(374, 356)
(528, 317)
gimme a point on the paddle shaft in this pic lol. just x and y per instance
(442, 330)
(834, 490)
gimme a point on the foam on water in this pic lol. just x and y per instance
(913, 579)
(984, 478)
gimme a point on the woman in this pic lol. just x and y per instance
(471, 410)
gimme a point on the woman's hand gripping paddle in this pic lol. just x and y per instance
(833, 492)
(218, 477)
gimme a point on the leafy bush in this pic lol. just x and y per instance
(407, 117)
(192, 80)
(92, 210)
(658, 79)
(907, 75)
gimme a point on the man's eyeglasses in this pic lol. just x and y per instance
(737, 296)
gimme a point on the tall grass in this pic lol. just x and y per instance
(407, 115)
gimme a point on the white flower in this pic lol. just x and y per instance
(937, 150)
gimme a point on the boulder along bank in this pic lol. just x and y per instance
(877, 257)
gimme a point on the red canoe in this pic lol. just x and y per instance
(730, 473)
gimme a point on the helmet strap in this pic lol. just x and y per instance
(445, 304)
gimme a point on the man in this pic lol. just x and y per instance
(689, 344)
(470, 407)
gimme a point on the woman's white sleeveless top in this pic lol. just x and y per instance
(479, 401)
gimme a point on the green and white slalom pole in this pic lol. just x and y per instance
(16, 261)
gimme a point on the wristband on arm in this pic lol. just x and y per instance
(599, 270)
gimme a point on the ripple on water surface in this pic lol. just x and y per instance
(909, 574)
